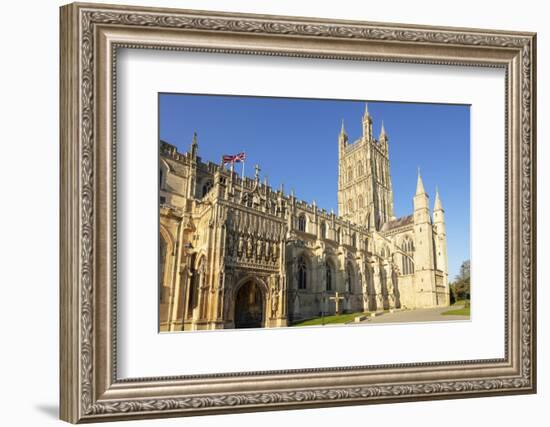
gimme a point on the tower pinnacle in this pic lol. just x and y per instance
(194, 145)
(366, 115)
(419, 185)
(382, 131)
(342, 130)
(367, 124)
(437, 205)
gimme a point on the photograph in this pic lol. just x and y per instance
(269, 209)
(292, 212)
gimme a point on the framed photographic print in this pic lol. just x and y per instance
(265, 212)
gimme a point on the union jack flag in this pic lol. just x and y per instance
(236, 158)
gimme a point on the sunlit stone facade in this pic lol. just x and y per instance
(238, 253)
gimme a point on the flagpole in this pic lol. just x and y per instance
(243, 171)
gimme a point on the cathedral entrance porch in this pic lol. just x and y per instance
(249, 306)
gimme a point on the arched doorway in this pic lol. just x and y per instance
(249, 306)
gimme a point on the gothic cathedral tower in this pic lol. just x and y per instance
(365, 195)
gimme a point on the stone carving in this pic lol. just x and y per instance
(249, 246)
(259, 249)
(275, 255)
(275, 291)
(230, 244)
(242, 244)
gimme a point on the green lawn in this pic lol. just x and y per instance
(462, 302)
(462, 309)
(341, 318)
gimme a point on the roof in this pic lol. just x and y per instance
(399, 222)
(175, 167)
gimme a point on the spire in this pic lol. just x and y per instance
(367, 124)
(437, 205)
(382, 131)
(194, 146)
(419, 185)
(342, 139)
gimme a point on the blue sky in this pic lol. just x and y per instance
(295, 142)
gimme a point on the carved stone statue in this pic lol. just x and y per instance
(249, 247)
(259, 249)
(275, 252)
(230, 243)
(275, 290)
(242, 245)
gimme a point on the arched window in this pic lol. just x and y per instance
(408, 248)
(338, 234)
(349, 277)
(328, 276)
(196, 279)
(206, 188)
(162, 264)
(323, 230)
(350, 174)
(302, 273)
(350, 205)
(302, 222)
(359, 169)
(354, 239)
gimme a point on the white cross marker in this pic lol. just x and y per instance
(336, 298)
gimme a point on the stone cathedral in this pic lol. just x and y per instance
(237, 253)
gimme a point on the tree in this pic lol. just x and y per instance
(460, 288)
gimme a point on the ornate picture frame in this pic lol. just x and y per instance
(90, 388)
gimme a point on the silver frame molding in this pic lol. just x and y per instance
(90, 37)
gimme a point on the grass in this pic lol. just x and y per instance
(457, 312)
(462, 302)
(334, 319)
(461, 308)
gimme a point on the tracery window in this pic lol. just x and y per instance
(349, 277)
(206, 188)
(323, 230)
(407, 259)
(328, 276)
(360, 169)
(302, 222)
(302, 273)
(162, 263)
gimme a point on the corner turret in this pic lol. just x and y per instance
(367, 124)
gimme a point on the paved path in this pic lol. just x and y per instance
(419, 315)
